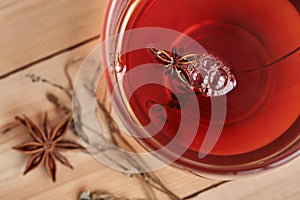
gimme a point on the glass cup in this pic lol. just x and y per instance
(207, 86)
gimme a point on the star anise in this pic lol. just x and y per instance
(174, 64)
(46, 145)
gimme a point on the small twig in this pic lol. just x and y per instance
(87, 195)
(54, 100)
(67, 73)
(155, 182)
(34, 78)
(148, 190)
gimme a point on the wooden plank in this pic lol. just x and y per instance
(278, 184)
(33, 29)
(20, 96)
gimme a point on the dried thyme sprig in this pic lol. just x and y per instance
(34, 78)
(61, 106)
(87, 195)
(149, 180)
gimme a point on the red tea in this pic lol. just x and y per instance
(262, 117)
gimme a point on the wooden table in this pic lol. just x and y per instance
(41, 36)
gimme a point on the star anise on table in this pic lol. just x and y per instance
(46, 145)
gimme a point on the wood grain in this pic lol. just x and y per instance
(280, 184)
(54, 33)
(23, 97)
(33, 29)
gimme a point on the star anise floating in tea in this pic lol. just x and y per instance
(47, 145)
(201, 72)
